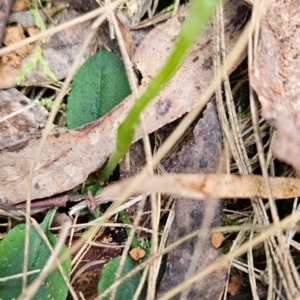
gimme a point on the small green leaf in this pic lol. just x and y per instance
(127, 289)
(99, 85)
(11, 263)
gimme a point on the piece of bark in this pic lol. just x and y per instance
(199, 154)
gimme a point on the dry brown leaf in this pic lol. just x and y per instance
(275, 76)
(68, 158)
(25, 124)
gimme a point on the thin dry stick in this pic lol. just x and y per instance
(251, 270)
(165, 234)
(244, 267)
(141, 284)
(131, 235)
(83, 251)
(18, 275)
(84, 225)
(270, 270)
(72, 230)
(52, 262)
(237, 242)
(4, 118)
(87, 266)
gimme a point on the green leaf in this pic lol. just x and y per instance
(99, 85)
(200, 12)
(11, 263)
(127, 289)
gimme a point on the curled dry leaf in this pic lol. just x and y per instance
(275, 76)
(68, 158)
